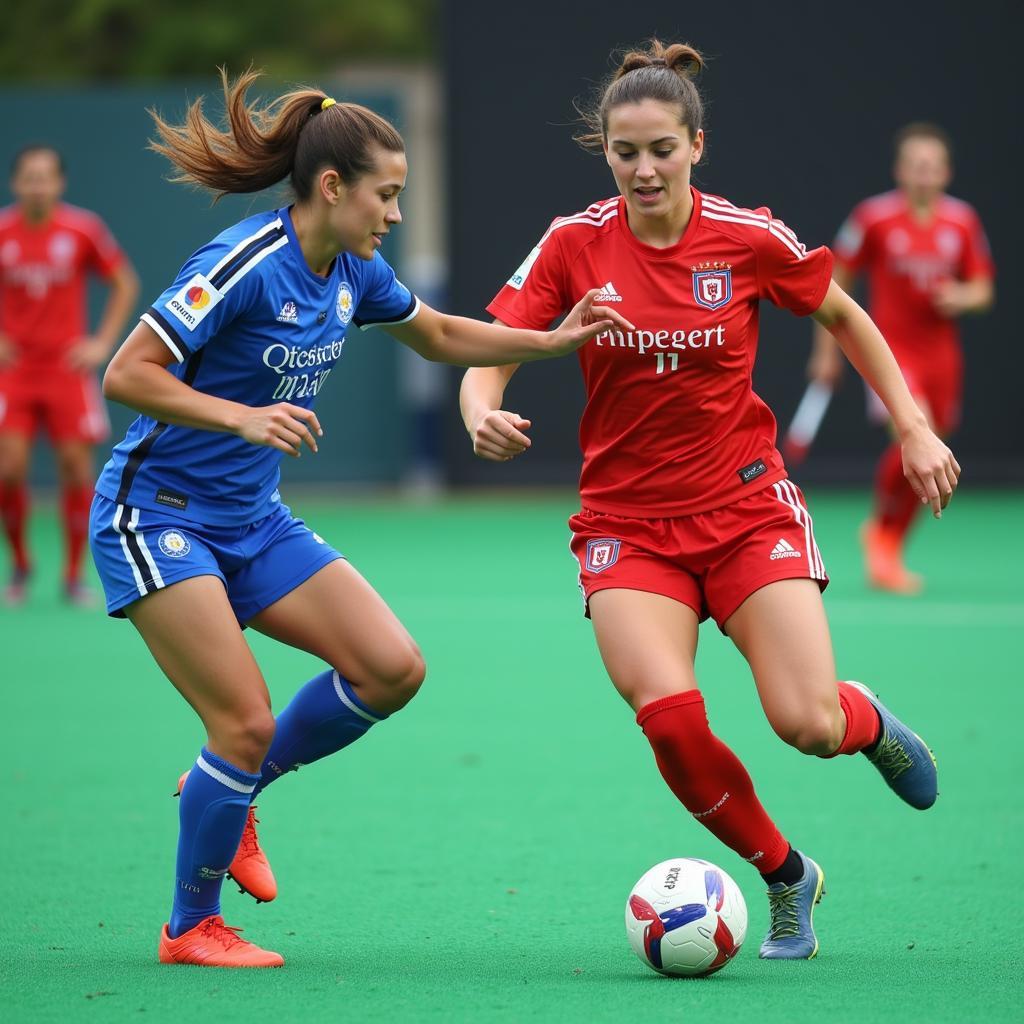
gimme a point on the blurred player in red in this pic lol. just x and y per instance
(927, 262)
(48, 359)
(687, 512)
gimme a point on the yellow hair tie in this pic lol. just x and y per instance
(328, 102)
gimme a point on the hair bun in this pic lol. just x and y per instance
(684, 60)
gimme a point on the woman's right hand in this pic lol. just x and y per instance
(283, 426)
(498, 435)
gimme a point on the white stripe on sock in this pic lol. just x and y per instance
(226, 780)
(348, 702)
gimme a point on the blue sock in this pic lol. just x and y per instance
(324, 716)
(213, 808)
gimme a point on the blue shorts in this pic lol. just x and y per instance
(138, 552)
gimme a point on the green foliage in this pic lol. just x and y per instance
(109, 40)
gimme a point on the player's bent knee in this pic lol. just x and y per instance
(246, 738)
(390, 682)
(405, 676)
(815, 734)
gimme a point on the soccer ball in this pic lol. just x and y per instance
(686, 917)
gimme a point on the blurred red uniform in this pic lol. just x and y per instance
(44, 272)
(927, 262)
(48, 357)
(905, 259)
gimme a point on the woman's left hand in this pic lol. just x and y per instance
(585, 321)
(930, 468)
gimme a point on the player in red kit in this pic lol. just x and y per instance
(48, 358)
(927, 263)
(687, 511)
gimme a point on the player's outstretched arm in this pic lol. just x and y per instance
(137, 377)
(465, 342)
(928, 464)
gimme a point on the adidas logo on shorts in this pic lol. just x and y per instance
(783, 550)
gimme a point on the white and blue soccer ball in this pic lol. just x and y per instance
(686, 917)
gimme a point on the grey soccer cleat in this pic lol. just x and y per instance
(791, 935)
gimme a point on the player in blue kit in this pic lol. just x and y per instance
(188, 530)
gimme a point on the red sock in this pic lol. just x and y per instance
(709, 779)
(14, 513)
(862, 722)
(896, 505)
(74, 505)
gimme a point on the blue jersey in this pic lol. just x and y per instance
(248, 321)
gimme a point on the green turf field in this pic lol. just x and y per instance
(470, 859)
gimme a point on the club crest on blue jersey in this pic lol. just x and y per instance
(602, 553)
(712, 288)
(345, 305)
(173, 544)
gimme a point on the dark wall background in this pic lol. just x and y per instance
(802, 101)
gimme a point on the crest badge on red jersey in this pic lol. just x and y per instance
(712, 288)
(602, 554)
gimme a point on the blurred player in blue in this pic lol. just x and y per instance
(188, 530)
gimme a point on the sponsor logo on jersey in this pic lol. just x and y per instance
(289, 313)
(345, 306)
(602, 554)
(608, 294)
(518, 279)
(173, 544)
(783, 549)
(712, 284)
(646, 341)
(281, 358)
(194, 301)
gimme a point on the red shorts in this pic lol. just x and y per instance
(936, 382)
(712, 561)
(65, 403)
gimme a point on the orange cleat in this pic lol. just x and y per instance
(212, 943)
(883, 555)
(250, 869)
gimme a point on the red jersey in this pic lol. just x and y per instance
(672, 426)
(905, 259)
(44, 270)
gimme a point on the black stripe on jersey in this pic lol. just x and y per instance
(166, 325)
(388, 319)
(135, 549)
(138, 454)
(235, 264)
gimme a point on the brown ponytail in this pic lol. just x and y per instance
(663, 73)
(293, 135)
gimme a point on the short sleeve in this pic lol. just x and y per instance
(788, 274)
(534, 295)
(103, 254)
(976, 256)
(851, 246)
(217, 285)
(385, 300)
